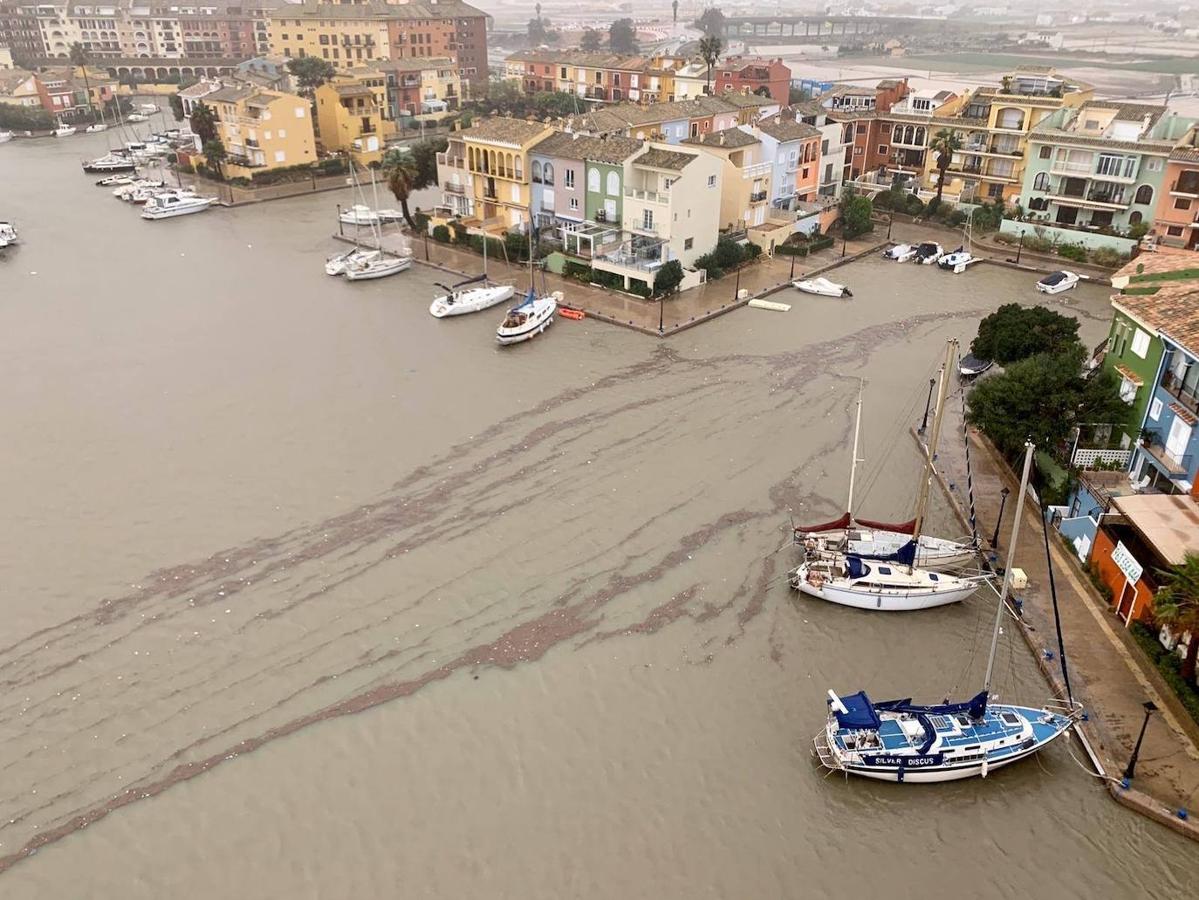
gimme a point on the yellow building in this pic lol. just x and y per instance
(262, 130)
(488, 168)
(993, 126)
(352, 117)
(345, 34)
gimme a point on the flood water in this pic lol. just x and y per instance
(307, 594)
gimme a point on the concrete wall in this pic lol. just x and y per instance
(1090, 240)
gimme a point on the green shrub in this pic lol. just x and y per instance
(822, 243)
(1108, 257)
(752, 251)
(1037, 243)
(1168, 665)
(668, 279)
(933, 205)
(728, 254)
(956, 219)
(1138, 230)
(708, 263)
(640, 288)
(607, 279)
(441, 234)
(422, 221)
(913, 205)
(577, 271)
(1075, 252)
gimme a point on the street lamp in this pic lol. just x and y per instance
(890, 222)
(1131, 769)
(1019, 247)
(999, 518)
(661, 314)
(932, 382)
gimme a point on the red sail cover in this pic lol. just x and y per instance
(901, 527)
(836, 525)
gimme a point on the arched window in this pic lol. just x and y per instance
(548, 174)
(613, 187)
(920, 136)
(847, 138)
(1144, 194)
(593, 180)
(536, 167)
(520, 168)
(1135, 218)
(1010, 118)
(1041, 182)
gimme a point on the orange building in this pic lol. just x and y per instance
(1177, 219)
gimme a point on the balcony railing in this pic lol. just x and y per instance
(1071, 168)
(1187, 397)
(758, 197)
(647, 196)
(452, 188)
(1174, 466)
(454, 162)
(1185, 187)
(757, 170)
(641, 227)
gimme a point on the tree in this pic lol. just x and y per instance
(555, 103)
(710, 48)
(1176, 604)
(216, 154)
(856, 211)
(79, 60)
(944, 144)
(1014, 332)
(798, 95)
(403, 177)
(711, 22)
(1041, 398)
(310, 72)
(203, 122)
(622, 37)
(424, 158)
(537, 34)
(591, 41)
(667, 281)
(674, 8)
(176, 107)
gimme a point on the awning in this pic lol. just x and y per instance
(1183, 413)
(1129, 375)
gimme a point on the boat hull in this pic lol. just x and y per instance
(374, 272)
(470, 301)
(173, 212)
(884, 600)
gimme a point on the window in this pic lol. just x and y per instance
(299, 112)
(647, 219)
(861, 128)
(687, 244)
(1046, 152)
(711, 181)
(1155, 409)
(613, 186)
(1041, 182)
(1135, 218)
(1116, 166)
(857, 151)
(1182, 203)
(995, 191)
(1153, 164)
(568, 179)
(280, 156)
(574, 203)
(1128, 390)
(593, 180)
(548, 174)
(806, 170)
(536, 176)
(1174, 230)
(882, 149)
(1140, 343)
(1144, 194)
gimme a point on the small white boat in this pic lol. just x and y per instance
(137, 117)
(170, 204)
(116, 180)
(972, 366)
(928, 253)
(358, 214)
(460, 300)
(878, 585)
(148, 108)
(5, 137)
(95, 128)
(1057, 282)
(339, 262)
(127, 191)
(900, 252)
(823, 286)
(957, 261)
(8, 234)
(64, 131)
(531, 318)
(110, 163)
(379, 267)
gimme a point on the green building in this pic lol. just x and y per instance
(1134, 354)
(605, 191)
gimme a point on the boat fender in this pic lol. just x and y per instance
(986, 762)
(847, 293)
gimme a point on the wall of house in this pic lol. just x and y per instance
(1178, 210)
(1125, 339)
(604, 191)
(1101, 557)
(1172, 421)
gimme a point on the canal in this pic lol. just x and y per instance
(308, 594)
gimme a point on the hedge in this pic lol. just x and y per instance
(1168, 665)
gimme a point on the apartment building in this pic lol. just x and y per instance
(598, 77)
(753, 75)
(746, 177)
(671, 122)
(794, 149)
(352, 115)
(262, 129)
(1177, 216)
(422, 86)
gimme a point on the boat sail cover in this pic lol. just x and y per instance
(474, 280)
(835, 525)
(859, 712)
(899, 527)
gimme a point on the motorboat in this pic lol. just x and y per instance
(169, 204)
(116, 180)
(823, 286)
(109, 163)
(460, 300)
(533, 316)
(379, 267)
(137, 117)
(64, 131)
(338, 262)
(8, 234)
(95, 128)
(1057, 282)
(928, 253)
(957, 261)
(972, 366)
(359, 214)
(5, 137)
(900, 252)
(904, 742)
(127, 190)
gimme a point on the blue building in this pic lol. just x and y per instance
(1167, 458)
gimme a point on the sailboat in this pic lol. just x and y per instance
(898, 740)
(535, 314)
(878, 540)
(893, 583)
(459, 299)
(367, 266)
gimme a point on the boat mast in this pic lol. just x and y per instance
(933, 441)
(1011, 553)
(853, 465)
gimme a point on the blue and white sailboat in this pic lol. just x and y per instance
(528, 320)
(898, 740)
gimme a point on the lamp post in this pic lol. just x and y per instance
(844, 238)
(890, 222)
(932, 382)
(1131, 769)
(999, 518)
(661, 314)
(737, 286)
(1019, 247)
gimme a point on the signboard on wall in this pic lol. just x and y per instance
(1127, 563)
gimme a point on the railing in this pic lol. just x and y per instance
(490, 194)
(1086, 457)
(452, 188)
(757, 170)
(1174, 466)
(632, 261)
(454, 162)
(1071, 168)
(757, 197)
(647, 196)
(1173, 385)
(640, 226)
(1189, 187)
(1116, 199)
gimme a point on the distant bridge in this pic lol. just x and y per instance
(813, 27)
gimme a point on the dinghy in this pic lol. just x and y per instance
(339, 262)
(972, 366)
(928, 253)
(1057, 282)
(957, 261)
(900, 252)
(823, 287)
(8, 234)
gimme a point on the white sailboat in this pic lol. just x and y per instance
(356, 255)
(900, 741)
(8, 234)
(5, 136)
(460, 299)
(531, 318)
(379, 266)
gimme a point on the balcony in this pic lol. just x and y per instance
(640, 226)
(1185, 395)
(454, 162)
(758, 197)
(452, 188)
(490, 193)
(1185, 187)
(661, 199)
(1070, 168)
(757, 170)
(1174, 466)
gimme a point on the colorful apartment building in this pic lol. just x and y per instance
(671, 122)
(597, 77)
(352, 115)
(993, 125)
(486, 173)
(1177, 216)
(422, 86)
(262, 129)
(752, 75)
(794, 149)
(746, 177)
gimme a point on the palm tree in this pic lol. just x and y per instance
(402, 178)
(709, 50)
(1176, 604)
(79, 59)
(674, 6)
(945, 143)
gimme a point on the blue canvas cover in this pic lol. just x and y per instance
(859, 712)
(855, 567)
(975, 707)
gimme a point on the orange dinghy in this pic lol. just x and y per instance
(567, 313)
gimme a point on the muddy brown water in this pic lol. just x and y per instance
(306, 594)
